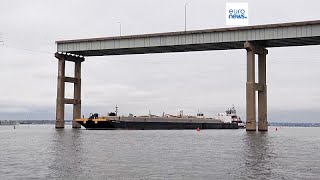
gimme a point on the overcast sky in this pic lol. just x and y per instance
(207, 81)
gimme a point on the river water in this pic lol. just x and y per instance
(41, 152)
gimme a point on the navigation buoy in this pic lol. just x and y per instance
(198, 129)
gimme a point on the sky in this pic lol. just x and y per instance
(209, 81)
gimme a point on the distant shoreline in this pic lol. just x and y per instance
(286, 124)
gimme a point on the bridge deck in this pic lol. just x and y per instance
(272, 35)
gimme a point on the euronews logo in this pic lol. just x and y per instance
(237, 14)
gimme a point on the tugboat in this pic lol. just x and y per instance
(230, 116)
(235, 118)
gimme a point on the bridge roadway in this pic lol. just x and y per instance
(274, 35)
(255, 39)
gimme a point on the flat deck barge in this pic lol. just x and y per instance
(153, 123)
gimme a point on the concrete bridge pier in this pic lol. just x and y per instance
(60, 92)
(62, 79)
(252, 87)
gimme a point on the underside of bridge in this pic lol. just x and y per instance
(255, 39)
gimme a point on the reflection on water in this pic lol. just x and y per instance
(258, 155)
(42, 152)
(67, 153)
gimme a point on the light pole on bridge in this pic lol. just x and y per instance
(119, 27)
(185, 16)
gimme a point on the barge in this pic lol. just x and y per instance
(152, 122)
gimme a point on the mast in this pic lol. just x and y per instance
(117, 110)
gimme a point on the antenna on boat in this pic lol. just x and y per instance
(1, 39)
(117, 110)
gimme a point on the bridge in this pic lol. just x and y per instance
(254, 39)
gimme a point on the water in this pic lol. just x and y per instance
(41, 152)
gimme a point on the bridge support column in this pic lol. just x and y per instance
(77, 95)
(62, 79)
(252, 87)
(262, 92)
(60, 93)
